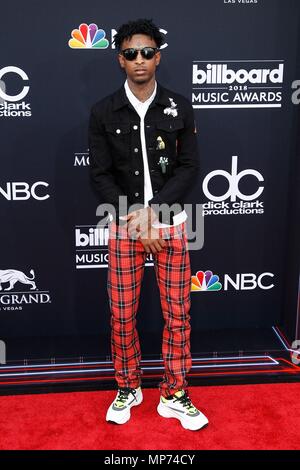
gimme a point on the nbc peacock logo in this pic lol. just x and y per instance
(205, 281)
(88, 37)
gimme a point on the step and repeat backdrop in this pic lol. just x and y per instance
(238, 64)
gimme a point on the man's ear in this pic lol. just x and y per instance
(121, 61)
(157, 58)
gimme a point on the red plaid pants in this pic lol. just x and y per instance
(173, 274)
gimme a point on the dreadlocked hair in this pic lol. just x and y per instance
(140, 26)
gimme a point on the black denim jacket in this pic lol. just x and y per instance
(116, 162)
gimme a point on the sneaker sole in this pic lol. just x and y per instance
(126, 417)
(167, 413)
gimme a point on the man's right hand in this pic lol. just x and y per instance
(151, 241)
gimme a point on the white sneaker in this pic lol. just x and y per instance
(119, 410)
(181, 407)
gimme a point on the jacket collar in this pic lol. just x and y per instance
(120, 98)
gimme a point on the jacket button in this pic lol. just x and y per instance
(136, 172)
(135, 127)
(156, 191)
(118, 131)
(136, 150)
(136, 194)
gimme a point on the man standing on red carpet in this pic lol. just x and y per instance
(143, 147)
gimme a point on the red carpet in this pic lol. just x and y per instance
(241, 417)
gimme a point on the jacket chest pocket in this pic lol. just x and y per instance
(170, 125)
(166, 144)
(118, 135)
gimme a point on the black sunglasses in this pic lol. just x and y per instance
(147, 52)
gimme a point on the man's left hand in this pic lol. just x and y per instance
(140, 222)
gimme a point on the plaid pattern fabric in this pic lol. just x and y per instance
(173, 273)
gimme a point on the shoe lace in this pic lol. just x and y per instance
(123, 394)
(185, 401)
